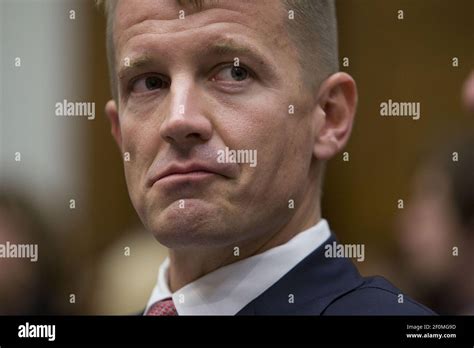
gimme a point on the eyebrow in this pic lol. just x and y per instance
(228, 47)
(134, 64)
(220, 47)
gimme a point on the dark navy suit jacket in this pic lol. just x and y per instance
(331, 286)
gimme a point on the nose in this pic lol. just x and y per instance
(186, 124)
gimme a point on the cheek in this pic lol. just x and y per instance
(139, 141)
(281, 139)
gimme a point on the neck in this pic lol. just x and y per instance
(187, 265)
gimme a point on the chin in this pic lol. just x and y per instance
(198, 224)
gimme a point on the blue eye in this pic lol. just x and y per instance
(153, 82)
(235, 73)
(148, 83)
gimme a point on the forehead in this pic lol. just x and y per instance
(263, 19)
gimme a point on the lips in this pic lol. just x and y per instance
(188, 168)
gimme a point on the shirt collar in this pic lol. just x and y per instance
(228, 289)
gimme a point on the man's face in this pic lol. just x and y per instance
(182, 99)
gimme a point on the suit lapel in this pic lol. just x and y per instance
(309, 287)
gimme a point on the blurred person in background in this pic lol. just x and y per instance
(26, 287)
(436, 230)
(468, 93)
(124, 278)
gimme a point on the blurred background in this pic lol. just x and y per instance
(399, 189)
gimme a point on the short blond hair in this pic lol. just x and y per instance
(313, 30)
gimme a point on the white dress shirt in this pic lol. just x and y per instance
(228, 289)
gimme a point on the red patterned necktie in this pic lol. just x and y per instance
(165, 307)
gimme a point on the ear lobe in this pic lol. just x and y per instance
(334, 115)
(113, 116)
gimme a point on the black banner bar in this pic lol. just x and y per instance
(138, 330)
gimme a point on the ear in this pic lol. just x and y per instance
(113, 116)
(334, 115)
